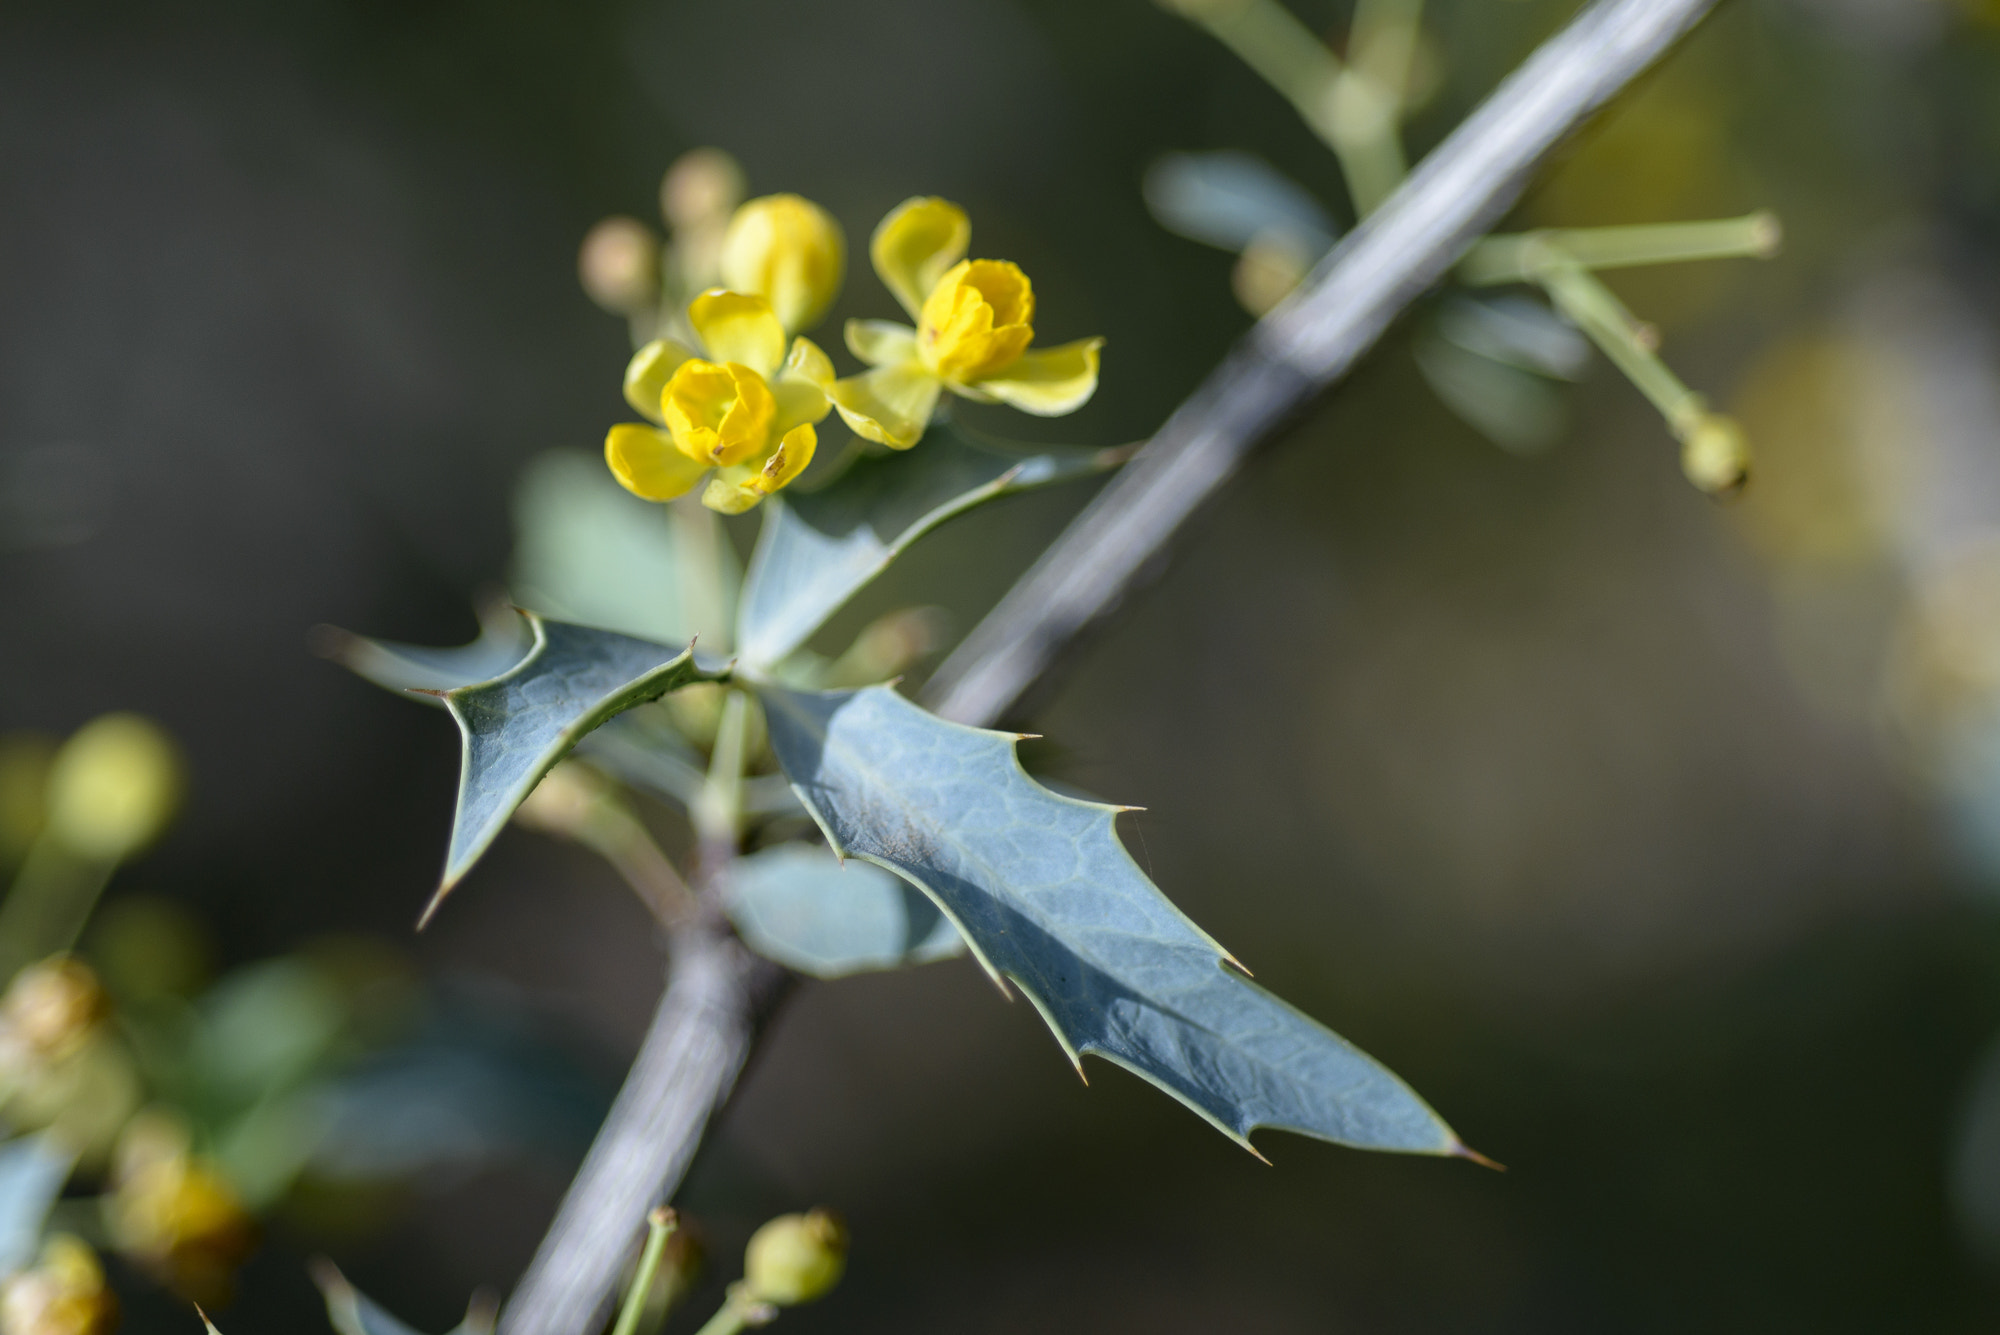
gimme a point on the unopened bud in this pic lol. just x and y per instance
(1715, 456)
(795, 1258)
(619, 265)
(789, 251)
(172, 1212)
(113, 787)
(1272, 265)
(63, 1294)
(700, 189)
(51, 1008)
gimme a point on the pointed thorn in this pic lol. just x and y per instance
(1461, 1150)
(1257, 1154)
(430, 909)
(1027, 736)
(1122, 810)
(1237, 965)
(425, 690)
(1078, 1063)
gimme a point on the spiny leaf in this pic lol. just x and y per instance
(518, 725)
(32, 1172)
(798, 905)
(1046, 895)
(352, 1312)
(423, 672)
(819, 548)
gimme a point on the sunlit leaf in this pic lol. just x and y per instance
(802, 907)
(819, 548)
(517, 726)
(32, 1172)
(504, 639)
(1046, 895)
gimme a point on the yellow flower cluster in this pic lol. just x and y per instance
(171, 1212)
(744, 404)
(63, 1293)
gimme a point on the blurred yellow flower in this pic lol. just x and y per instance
(114, 786)
(975, 320)
(171, 1212)
(789, 251)
(62, 1294)
(746, 408)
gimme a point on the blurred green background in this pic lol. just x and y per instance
(1648, 838)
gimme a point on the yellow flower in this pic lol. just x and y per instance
(172, 1213)
(746, 407)
(789, 251)
(63, 1294)
(975, 320)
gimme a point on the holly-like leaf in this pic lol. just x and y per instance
(518, 725)
(1045, 894)
(798, 905)
(32, 1172)
(819, 548)
(352, 1312)
(424, 672)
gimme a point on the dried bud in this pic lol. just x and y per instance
(619, 265)
(1715, 456)
(63, 1294)
(51, 1008)
(789, 251)
(113, 787)
(795, 1258)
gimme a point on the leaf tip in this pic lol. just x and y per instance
(1255, 1153)
(1460, 1150)
(437, 898)
(1237, 965)
(330, 642)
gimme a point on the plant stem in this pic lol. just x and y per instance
(660, 1225)
(1592, 307)
(736, 1314)
(48, 904)
(1519, 258)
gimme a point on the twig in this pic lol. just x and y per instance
(1300, 348)
(702, 1033)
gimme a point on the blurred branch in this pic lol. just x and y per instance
(1300, 348)
(702, 1033)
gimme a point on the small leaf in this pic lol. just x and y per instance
(32, 1172)
(802, 907)
(351, 1312)
(517, 726)
(423, 672)
(1228, 198)
(820, 548)
(590, 552)
(1047, 896)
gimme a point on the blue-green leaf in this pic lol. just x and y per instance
(590, 552)
(32, 1172)
(352, 1312)
(799, 905)
(518, 725)
(424, 672)
(819, 548)
(1046, 895)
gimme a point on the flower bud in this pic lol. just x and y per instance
(795, 1258)
(619, 265)
(113, 787)
(172, 1213)
(789, 251)
(63, 1294)
(700, 189)
(51, 1008)
(1715, 456)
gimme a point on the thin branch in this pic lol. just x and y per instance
(1301, 347)
(706, 1023)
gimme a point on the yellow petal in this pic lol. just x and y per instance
(880, 342)
(735, 490)
(719, 414)
(646, 463)
(646, 376)
(977, 321)
(890, 405)
(800, 388)
(789, 251)
(1048, 382)
(915, 244)
(736, 327)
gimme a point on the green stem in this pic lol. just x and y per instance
(1592, 308)
(718, 808)
(737, 1313)
(660, 1225)
(1518, 258)
(698, 543)
(51, 899)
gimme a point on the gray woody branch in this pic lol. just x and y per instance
(706, 1023)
